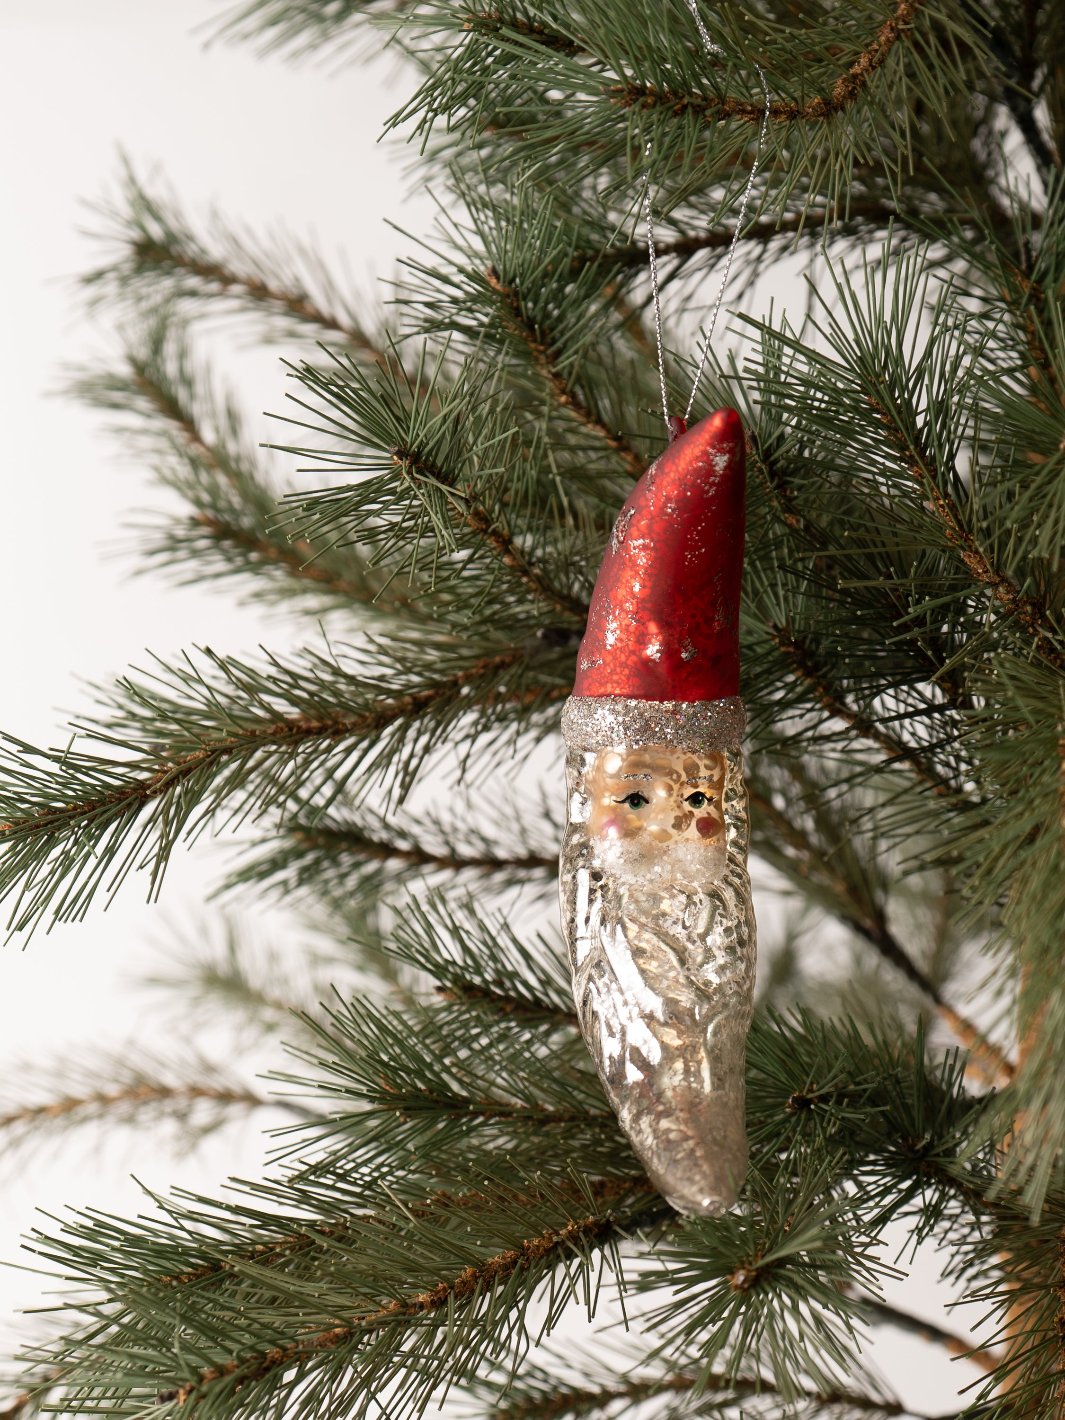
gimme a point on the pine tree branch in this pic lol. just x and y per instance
(541, 1251)
(18, 1407)
(1028, 611)
(296, 558)
(851, 909)
(193, 441)
(853, 912)
(541, 1116)
(721, 238)
(631, 324)
(301, 27)
(159, 252)
(228, 980)
(1031, 296)
(507, 1004)
(473, 958)
(953, 1344)
(291, 1244)
(804, 666)
(682, 247)
(336, 855)
(1001, 1208)
(154, 255)
(466, 1071)
(165, 778)
(169, 777)
(845, 92)
(1015, 1331)
(298, 730)
(361, 845)
(29, 1401)
(492, 23)
(1035, 314)
(134, 1096)
(565, 394)
(993, 1063)
(571, 1404)
(773, 481)
(167, 405)
(121, 1088)
(949, 682)
(477, 518)
(1016, 92)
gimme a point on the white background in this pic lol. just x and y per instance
(227, 130)
(267, 143)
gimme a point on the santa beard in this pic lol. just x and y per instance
(662, 947)
(639, 866)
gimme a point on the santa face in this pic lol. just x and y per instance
(657, 813)
(657, 913)
(657, 793)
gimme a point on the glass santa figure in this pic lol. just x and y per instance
(656, 901)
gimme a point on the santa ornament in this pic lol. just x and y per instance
(656, 901)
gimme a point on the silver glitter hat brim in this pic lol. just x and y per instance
(594, 722)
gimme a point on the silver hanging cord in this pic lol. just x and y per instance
(713, 50)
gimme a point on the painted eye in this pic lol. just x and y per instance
(697, 800)
(635, 800)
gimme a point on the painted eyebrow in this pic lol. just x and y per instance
(637, 776)
(703, 779)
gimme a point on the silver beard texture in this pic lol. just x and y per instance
(663, 980)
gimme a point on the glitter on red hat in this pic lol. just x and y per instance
(664, 616)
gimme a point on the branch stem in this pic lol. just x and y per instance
(845, 92)
(361, 845)
(134, 1095)
(720, 238)
(928, 1331)
(296, 558)
(854, 912)
(227, 280)
(542, 1250)
(501, 541)
(804, 667)
(290, 1243)
(507, 1004)
(565, 1404)
(562, 388)
(1028, 611)
(168, 777)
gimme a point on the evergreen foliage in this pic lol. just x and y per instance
(453, 1183)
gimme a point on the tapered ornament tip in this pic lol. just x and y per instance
(724, 423)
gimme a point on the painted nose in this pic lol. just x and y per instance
(660, 818)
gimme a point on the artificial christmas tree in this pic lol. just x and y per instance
(460, 1183)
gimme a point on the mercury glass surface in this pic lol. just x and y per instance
(661, 934)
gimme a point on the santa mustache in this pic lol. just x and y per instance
(632, 866)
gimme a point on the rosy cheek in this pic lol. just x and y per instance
(611, 828)
(706, 827)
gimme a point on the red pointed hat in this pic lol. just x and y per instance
(664, 617)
